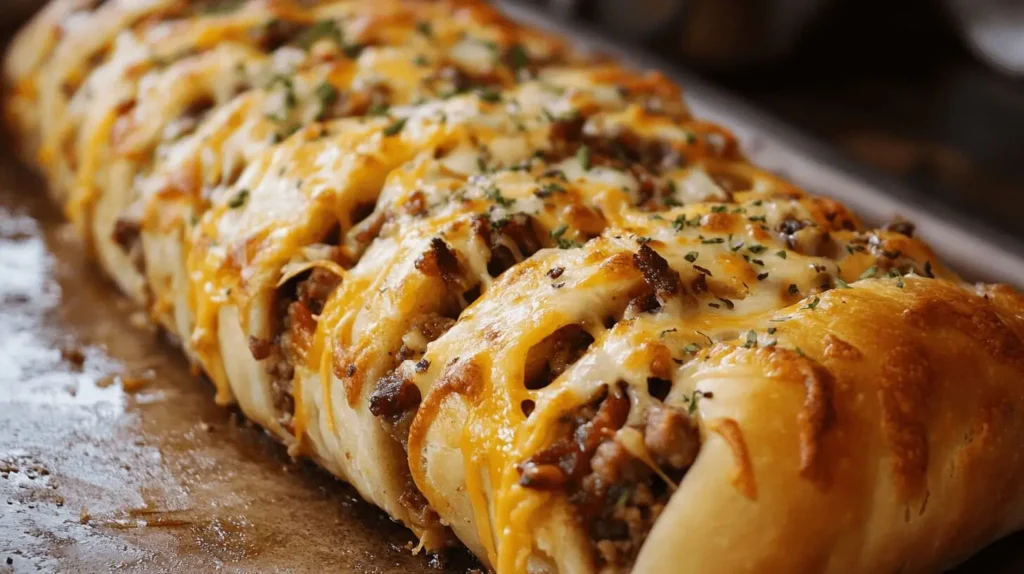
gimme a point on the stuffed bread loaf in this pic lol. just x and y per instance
(518, 295)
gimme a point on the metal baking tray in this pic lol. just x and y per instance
(98, 475)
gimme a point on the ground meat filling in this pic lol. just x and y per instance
(564, 464)
(277, 33)
(450, 79)
(642, 157)
(670, 437)
(395, 401)
(548, 359)
(395, 398)
(439, 261)
(424, 515)
(645, 158)
(632, 149)
(298, 305)
(617, 496)
(127, 234)
(731, 182)
(509, 240)
(661, 282)
(806, 237)
(657, 274)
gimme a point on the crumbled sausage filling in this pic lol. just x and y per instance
(297, 309)
(616, 495)
(554, 354)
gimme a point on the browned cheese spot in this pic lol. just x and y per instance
(836, 348)
(743, 477)
(718, 222)
(464, 377)
(817, 414)
(615, 265)
(660, 359)
(836, 215)
(416, 204)
(973, 317)
(348, 368)
(903, 397)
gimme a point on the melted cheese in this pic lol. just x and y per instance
(750, 271)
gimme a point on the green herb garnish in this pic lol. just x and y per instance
(751, 339)
(583, 156)
(322, 30)
(239, 199)
(489, 95)
(868, 273)
(517, 57)
(494, 194)
(395, 128)
(328, 96)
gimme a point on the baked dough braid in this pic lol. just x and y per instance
(519, 296)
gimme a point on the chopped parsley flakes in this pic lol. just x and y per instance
(583, 156)
(239, 199)
(751, 339)
(395, 128)
(494, 194)
(868, 273)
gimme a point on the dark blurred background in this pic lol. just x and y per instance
(931, 91)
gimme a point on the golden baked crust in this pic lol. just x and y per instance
(519, 296)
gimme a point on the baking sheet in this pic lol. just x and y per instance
(156, 478)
